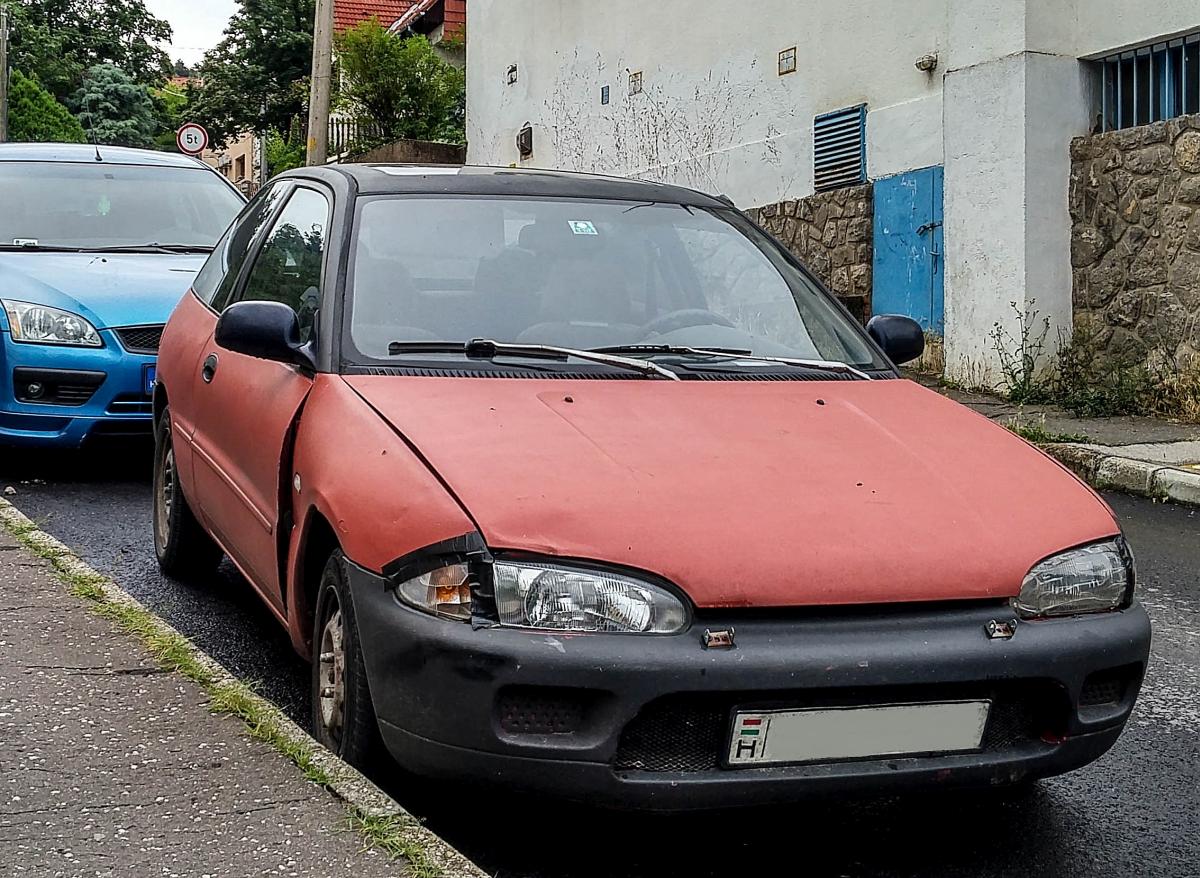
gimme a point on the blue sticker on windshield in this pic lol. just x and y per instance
(582, 227)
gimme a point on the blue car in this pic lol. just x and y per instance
(97, 246)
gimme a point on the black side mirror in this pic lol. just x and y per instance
(265, 330)
(901, 338)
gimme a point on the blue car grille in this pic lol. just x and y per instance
(140, 339)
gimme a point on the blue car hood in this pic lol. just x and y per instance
(108, 289)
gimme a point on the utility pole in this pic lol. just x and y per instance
(3, 73)
(322, 76)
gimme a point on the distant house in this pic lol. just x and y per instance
(442, 22)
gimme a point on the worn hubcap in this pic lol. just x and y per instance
(165, 496)
(332, 675)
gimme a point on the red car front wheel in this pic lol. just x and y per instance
(343, 714)
(183, 548)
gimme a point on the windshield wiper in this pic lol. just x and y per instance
(731, 353)
(486, 349)
(149, 248)
(37, 248)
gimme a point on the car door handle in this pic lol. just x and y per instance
(210, 369)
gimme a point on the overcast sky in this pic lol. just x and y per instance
(198, 24)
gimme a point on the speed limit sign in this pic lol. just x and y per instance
(192, 139)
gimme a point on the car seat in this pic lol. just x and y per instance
(383, 300)
(585, 301)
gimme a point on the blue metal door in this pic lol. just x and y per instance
(909, 264)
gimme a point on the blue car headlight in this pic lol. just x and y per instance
(41, 324)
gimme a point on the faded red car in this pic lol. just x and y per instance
(587, 486)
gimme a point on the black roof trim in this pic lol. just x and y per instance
(378, 179)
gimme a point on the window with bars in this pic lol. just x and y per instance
(1151, 83)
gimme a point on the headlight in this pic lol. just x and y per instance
(1091, 579)
(40, 324)
(546, 597)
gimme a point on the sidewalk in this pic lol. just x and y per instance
(1145, 456)
(112, 766)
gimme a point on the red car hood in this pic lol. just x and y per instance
(749, 494)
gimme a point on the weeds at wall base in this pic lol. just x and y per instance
(1089, 383)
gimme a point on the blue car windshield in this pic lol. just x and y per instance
(100, 205)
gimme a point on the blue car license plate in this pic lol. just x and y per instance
(151, 372)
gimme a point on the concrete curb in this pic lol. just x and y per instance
(346, 783)
(1105, 470)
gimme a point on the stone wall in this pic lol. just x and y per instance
(832, 233)
(420, 152)
(1135, 244)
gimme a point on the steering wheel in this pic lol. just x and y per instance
(683, 319)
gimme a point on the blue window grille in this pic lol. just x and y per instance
(840, 148)
(1151, 83)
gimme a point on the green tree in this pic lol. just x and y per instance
(170, 112)
(114, 109)
(59, 40)
(36, 117)
(401, 84)
(256, 79)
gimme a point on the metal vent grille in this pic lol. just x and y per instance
(140, 339)
(840, 148)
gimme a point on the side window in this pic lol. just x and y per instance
(289, 265)
(206, 282)
(227, 260)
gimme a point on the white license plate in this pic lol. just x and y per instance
(836, 734)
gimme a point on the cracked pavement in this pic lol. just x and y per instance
(110, 766)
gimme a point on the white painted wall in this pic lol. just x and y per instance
(715, 113)
(999, 112)
(984, 208)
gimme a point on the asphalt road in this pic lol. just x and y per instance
(1135, 812)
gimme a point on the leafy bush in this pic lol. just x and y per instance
(284, 153)
(401, 84)
(36, 117)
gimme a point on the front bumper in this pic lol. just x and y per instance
(644, 721)
(119, 406)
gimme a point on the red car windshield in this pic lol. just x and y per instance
(583, 275)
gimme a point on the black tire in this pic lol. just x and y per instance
(343, 715)
(184, 550)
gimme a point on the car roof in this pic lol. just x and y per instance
(86, 153)
(382, 179)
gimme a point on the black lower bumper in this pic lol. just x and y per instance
(644, 721)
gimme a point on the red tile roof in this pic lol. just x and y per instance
(348, 13)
